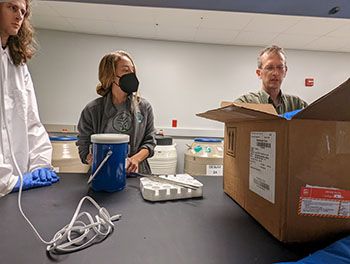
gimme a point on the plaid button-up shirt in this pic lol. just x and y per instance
(287, 103)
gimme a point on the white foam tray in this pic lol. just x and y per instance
(158, 191)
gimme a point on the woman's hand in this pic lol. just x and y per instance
(132, 165)
(89, 159)
(134, 161)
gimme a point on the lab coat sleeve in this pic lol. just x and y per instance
(149, 141)
(7, 180)
(40, 149)
(85, 128)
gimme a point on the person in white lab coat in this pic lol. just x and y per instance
(24, 144)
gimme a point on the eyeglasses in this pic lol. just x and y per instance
(278, 68)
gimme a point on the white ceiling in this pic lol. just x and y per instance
(200, 26)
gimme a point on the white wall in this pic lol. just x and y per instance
(179, 79)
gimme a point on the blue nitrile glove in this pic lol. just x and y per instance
(38, 178)
(338, 252)
(290, 114)
(45, 175)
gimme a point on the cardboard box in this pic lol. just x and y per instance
(269, 162)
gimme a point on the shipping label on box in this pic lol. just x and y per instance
(262, 164)
(324, 202)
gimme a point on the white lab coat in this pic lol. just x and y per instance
(19, 116)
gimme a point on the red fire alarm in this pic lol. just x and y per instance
(309, 82)
(174, 123)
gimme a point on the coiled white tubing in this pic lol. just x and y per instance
(103, 226)
(63, 240)
(68, 238)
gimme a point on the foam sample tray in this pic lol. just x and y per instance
(159, 191)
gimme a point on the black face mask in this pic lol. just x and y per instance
(129, 83)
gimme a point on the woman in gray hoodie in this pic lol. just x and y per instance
(120, 110)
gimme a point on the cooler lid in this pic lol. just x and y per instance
(109, 138)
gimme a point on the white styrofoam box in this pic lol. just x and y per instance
(159, 191)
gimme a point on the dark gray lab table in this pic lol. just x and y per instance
(212, 229)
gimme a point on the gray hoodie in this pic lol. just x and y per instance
(94, 118)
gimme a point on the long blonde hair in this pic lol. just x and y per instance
(21, 46)
(106, 73)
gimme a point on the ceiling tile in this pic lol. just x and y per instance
(328, 43)
(225, 20)
(293, 41)
(42, 8)
(316, 26)
(54, 23)
(175, 33)
(271, 23)
(83, 10)
(135, 31)
(177, 17)
(341, 31)
(132, 14)
(251, 38)
(92, 26)
(215, 36)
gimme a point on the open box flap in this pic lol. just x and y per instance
(235, 112)
(335, 105)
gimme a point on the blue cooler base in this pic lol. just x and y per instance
(107, 190)
(112, 175)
